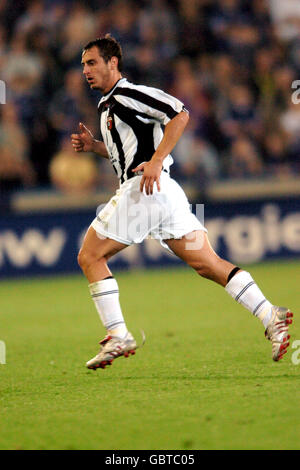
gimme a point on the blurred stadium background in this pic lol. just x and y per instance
(235, 65)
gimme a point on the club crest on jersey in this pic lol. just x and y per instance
(109, 123)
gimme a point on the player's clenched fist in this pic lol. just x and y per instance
(84, 141)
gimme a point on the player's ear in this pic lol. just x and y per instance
(114, 62)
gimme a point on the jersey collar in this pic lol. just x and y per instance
(104, 97)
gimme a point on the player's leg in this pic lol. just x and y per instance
(94, 254)
(197, 252)
(92, 258)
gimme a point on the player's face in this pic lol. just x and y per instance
(99, 74)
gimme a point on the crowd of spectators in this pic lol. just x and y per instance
(232, 62)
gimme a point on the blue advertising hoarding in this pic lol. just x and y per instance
(242, 232)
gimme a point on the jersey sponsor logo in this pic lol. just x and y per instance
(109, 123)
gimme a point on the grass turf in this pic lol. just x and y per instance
(204, 379)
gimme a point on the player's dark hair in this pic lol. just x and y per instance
(108, 47)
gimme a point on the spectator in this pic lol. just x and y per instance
(3, 44)
(158, 26)
(263, 81)
(295, 55)
(243, 160)
(284, 75)
(33, 17)
(276, 154)
(73, 172)
(222, 16)
(79, 28)
(194, 35)
(38, 44)
(15, 169)
(224, 73)
(70, 105)
(148, 68)
(196, 160)
(189, 90)
(260, 12)
(242, 39)
(124, 26)
(286, 18)
(23, 69)
(241, 115)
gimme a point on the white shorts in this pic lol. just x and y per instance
(131, 216)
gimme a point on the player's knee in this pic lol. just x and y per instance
(87, 258)
(81, 259)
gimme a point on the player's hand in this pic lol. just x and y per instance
(151, 174)
(84, 141)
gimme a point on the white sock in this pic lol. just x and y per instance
(105, 295)
(245, 291)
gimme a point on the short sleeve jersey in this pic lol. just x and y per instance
(131, 120)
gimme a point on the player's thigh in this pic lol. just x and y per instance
(96, 247)
(194, 248)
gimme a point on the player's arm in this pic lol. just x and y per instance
(172, 134)
(152, 169)
(85, 142)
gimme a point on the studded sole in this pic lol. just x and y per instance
(103, 364)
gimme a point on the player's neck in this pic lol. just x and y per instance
(112, 83)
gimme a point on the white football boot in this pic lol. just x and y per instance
(111, 348)
(277, 331)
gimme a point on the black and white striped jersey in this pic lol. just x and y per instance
(131, 117)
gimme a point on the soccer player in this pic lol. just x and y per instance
(149, 202)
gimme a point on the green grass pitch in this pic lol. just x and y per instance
(204, 379)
